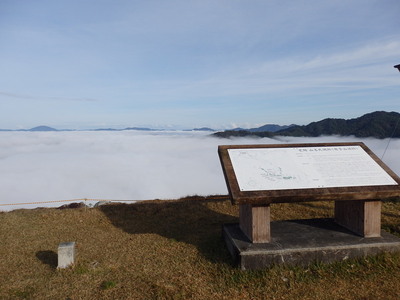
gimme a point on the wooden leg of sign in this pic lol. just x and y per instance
(255, 221)
(361, 217)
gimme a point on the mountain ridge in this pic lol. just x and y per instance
(266, 127)
(378, 124)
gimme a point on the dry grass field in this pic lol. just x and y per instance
(172, 250)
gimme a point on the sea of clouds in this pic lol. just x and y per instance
(126, 165)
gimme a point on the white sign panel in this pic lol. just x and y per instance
(259, 169)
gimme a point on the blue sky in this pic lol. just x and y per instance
(183, 64)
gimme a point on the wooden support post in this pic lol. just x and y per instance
(361, 217)
(255, 222)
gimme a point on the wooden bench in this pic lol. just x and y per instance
(347, 173)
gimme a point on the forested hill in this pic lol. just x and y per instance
(378, 124)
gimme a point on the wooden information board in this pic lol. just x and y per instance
(266, 174)
(258, 175)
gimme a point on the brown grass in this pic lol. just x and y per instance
(172, 250)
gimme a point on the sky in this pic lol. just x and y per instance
(127, 165)
(83, 64)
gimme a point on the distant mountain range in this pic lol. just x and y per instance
(42, 128)
(47, 128)
(264, 128)
(377, 124)
(38, 128)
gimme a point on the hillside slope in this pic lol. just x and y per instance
(377, 124)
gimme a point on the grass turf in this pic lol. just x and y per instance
(172, 250)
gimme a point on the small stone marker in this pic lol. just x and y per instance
(66, 255)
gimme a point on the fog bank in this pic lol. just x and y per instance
(126, 165)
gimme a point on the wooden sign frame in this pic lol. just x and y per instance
(357, 208)
(299, 195)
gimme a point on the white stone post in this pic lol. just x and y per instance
(66, 254)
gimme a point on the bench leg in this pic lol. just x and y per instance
(361, 217)
(255, 221)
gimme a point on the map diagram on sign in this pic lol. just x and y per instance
(306, 167)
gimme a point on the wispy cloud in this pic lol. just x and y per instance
(365, 66)
(35, 97)
(360, 67)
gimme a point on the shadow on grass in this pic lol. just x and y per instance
(49, 258)
(388, 214)
(317, 205)
(187, 220)
(392, 228)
